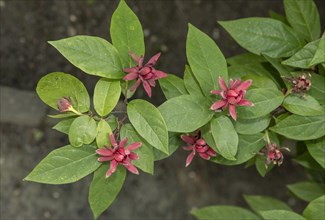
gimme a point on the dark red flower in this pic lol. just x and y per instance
(64, 104)
(233, 96)
(274, 154)
(119, 155)
(197, 144)
(146, 74)
(300, 84)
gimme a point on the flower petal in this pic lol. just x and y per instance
(202, 149)
(152, 82)
(135, 86)
(235, 84)
(112, 168)
(211, 152)
(204, 156)
(153, 59)
(244, 85)
(218, 104)
(215, 92)
(245, 102)
(131, 76)
(188, 139)
(130, 70)
(222, 84)
(104, 152)
(232, 93)
(123, 142)
(232, 111)
(147, 87)
(159, 74)
(140, 63)
(189, 158)
(134, 57)
(188, 148)
(134, 146)
(133, 156)
(103, 159)
(130, 167)
(113, 141)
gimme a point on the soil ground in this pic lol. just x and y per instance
(26, 135)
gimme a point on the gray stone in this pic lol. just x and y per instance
(20, 107)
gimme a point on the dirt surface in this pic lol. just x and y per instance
(26, 26)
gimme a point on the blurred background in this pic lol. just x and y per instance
(26, 135)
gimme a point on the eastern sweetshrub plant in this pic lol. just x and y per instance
(250, 108)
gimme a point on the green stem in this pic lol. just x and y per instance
(267, 137)
(75, 111)
(289, 91)
(126, 93)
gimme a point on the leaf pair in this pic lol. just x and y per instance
(266, 207)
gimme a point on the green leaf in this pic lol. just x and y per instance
(281, 69)
(174, 142)
(248, 146)
(146, 158)
(225, 137)
(315, 209)
(319, 56)
(103, 191)
(149, 123)
(245, 58)
(64, 115)
(129, 84)
(126, 34)
(65, 165)
(260, 165)
(186, 113)
(303, 105)
(281, 215)
(83, 130)
(240, 71)
(278, 17)
(317, 89)
(191, 83)
(300, 127)
(64, 125)
(252, 126)
(303, 57)
(264, 36)
(106, 95)
(265, 203)
(206, 60)
(112, 121)
(222, 212)
(57, 85)
(264, 100)
(103, 132)
(172, 86)
(307, 191)
(316, 149)
(307, 161)
(303, 17)
(260, 82)
(93, 55)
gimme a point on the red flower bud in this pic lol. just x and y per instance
(64, 104)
